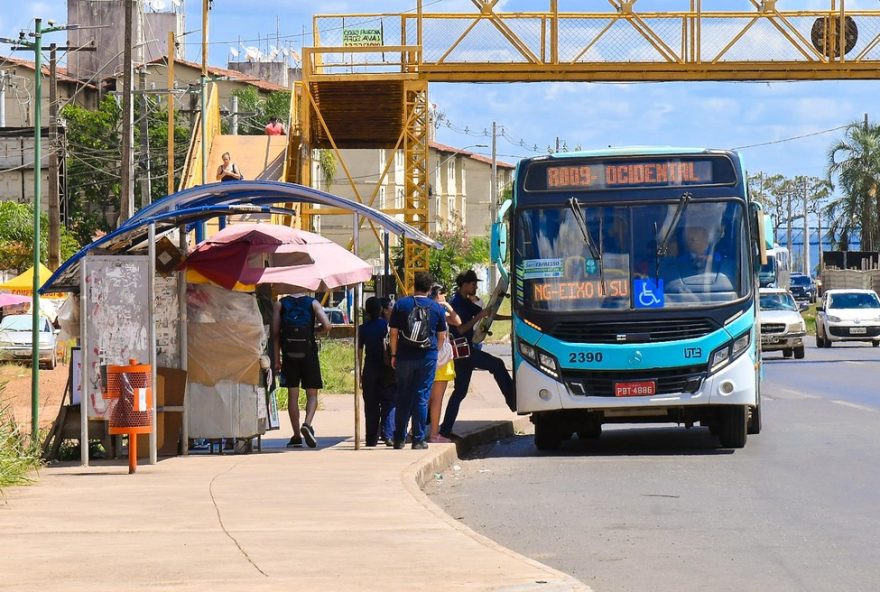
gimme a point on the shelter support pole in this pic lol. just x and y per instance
(84, 344)
(415, 146)
(357, 349)
(181, 340)
(151, 307)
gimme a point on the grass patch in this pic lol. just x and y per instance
(337, 371)
(19, 456)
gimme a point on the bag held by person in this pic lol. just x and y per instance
(297, 326)
(417, 332)
(460, 348)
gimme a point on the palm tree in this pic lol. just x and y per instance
(855, 162)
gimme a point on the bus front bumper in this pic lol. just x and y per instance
(732, 385)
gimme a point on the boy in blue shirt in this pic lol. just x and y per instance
(418, 330)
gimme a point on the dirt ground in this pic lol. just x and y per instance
(17, 393)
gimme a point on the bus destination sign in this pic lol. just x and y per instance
(630, 174)
(654, 171)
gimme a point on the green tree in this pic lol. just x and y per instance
(94, 163)
(460, 252)
(17, 237)
(855, 162)
(257, 109)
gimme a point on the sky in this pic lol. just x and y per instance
(757, 116)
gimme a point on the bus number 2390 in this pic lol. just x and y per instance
(584, 357)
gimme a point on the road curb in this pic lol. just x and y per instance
(418, 474)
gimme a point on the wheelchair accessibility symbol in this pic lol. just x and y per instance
(648, 294)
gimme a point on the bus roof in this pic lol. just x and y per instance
(633, 151)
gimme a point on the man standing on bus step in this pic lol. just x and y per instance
(418, 331)
(471, 314)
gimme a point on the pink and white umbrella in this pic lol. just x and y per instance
(12, 299)
(291, 260)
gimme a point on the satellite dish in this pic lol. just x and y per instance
(233, 52)
(825, 31)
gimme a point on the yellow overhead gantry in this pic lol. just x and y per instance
(365, 81)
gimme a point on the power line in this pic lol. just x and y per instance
(791, 139)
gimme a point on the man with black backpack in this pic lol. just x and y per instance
(418, 330)
(296, 358)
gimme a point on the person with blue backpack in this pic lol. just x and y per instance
(418, 331)
(296, 320)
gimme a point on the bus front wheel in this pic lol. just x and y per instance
(548, 435)
(734, 426)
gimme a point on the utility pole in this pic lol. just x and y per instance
(146, 184)
(806, 232)
(788, 195)
(234, 116)
(4, 80)
(37, 47)
(126, 206)
(54, 209)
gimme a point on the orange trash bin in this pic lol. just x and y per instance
(129, 396)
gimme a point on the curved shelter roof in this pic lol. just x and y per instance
(209, 201)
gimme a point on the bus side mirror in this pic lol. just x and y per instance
(498, 250)
(759, 236)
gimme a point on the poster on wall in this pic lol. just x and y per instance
(76, 369)
(116, 320)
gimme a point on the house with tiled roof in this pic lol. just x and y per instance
(17, 91)
(17, 118)
(187, 75)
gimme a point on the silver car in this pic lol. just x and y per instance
(15, 340)
(848, 315)
(782, 326)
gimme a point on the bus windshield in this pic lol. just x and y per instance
(658, 255)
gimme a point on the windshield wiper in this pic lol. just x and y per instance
(663, 245)
(582, 226)
(596, 252)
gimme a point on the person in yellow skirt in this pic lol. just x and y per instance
(445, 368)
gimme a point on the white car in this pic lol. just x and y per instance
(15, 339)
(782, 326)
(848, 315)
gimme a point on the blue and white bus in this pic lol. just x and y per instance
(634, 284)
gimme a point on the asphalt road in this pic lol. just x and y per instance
(659, 508)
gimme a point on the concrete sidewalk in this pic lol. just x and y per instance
(331, 519)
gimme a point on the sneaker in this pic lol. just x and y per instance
(398, 445)
(420, 445)
(295, 442)
(388, 442)
(309, 435)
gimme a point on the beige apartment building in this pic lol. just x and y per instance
(459, 188)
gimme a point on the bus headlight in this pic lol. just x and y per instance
(730, 351)
(548, 364)
(540, 359)
(527, 351)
